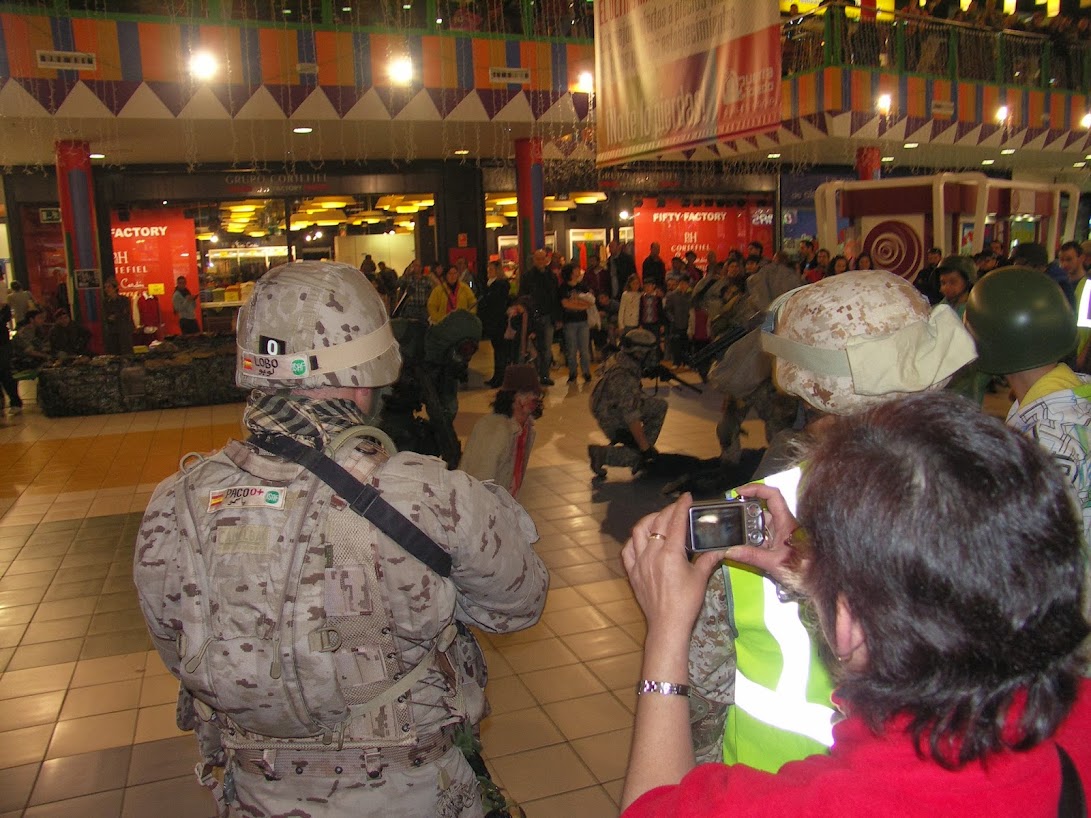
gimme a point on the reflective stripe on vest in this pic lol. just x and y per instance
(786, 707)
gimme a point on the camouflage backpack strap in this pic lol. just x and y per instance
(363, 499)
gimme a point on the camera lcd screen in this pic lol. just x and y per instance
(716, 528)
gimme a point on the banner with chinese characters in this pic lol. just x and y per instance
(676, 74)
(151, 249)
(699, 227)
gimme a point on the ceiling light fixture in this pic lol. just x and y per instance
(1007, 151)
(772, 156)
(1002, 113)
(883, 103)
(302, 129)
(1086, 121)
(98, 156)
(462, 152)
(203, 66)
(988, 161)
(585, 84)
(887, 159)
(911, 145)
(400, 71)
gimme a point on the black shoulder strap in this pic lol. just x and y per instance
(1072, 803)
(363, 499)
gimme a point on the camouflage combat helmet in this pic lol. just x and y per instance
(310, 324)
(959, 264)
(636, 338)
(861, 338)
(1020, 320)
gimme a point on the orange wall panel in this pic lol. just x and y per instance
(333, 50)
(160, 52)
(100, 38)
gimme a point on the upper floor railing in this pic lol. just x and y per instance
(559, 19)
(957, 51)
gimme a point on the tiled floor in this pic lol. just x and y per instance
(87, 709)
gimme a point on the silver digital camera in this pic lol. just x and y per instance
(718, 524)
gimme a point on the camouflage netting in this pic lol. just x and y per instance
(192, 371)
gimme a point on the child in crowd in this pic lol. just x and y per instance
(676, 306)
(605, 335)
(651, 309)
(628, 316)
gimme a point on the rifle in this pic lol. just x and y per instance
(661, 373)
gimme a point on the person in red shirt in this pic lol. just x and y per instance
(944, 562)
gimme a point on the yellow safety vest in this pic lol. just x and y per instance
(782, 709)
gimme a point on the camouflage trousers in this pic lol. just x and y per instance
(624, 452)
(777, 410)
(443, 788)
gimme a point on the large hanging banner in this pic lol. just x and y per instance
(675, 74)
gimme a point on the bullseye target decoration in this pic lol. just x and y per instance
(896, 245)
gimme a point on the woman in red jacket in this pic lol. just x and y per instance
(944, 562)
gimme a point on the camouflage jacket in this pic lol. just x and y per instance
(617, 398)
(268, 582)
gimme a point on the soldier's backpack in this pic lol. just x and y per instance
(284, 630)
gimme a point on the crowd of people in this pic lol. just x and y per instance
(788, 678)
(907, 639)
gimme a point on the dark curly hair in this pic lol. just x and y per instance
(956, 546)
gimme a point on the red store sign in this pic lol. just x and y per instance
(151, 250)
(699, 228)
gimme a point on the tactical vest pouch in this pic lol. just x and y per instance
(247, 573)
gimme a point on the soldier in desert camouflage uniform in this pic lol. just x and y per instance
(629, 418)
(759, 693)
(323, 662)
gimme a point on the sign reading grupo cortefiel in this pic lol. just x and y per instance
(675, 74)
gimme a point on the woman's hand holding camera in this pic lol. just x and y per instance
(668, 587)
(779, 556)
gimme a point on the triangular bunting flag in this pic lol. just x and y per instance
(964, 128)
(793, 126)
(1074, 137)
(494, 99)
(114, 94)
(174, 95)
(582, 104)
(233, 96)
(50, 94)
(541, 101)
(447, 99)
(394, 99)
(289, 97)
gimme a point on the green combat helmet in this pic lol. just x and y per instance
(959, 264)
(310, 324)
(1020, 320)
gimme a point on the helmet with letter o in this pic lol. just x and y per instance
(312, 324)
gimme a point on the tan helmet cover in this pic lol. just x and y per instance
(862, 338)
(310, 324)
